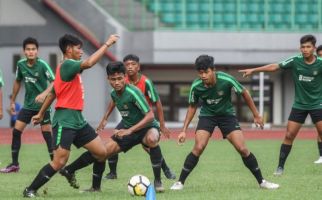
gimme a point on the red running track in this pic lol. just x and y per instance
(34, 136)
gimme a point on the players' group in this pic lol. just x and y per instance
(134, 95)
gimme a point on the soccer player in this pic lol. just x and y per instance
(35, 74)
(306, 69)
(213, 89)
(70, 127)
(137, 126)
(134, 77)
(319, 140)
(1, 104)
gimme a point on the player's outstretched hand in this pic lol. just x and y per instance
(181, 138)
(122, 132)
(259, 122)
(165, 131)
(246, 72)
(112, 39)
(102, 125)
(36, 119)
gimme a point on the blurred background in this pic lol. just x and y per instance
(167, 35)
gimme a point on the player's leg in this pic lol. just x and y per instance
(201, 140)
(86, 137)
(316, 116)
(205, 127)
(22, 120)
(151, 140)
(112, 164)
(295, 121)
(112, 148)
(63, 139)
(236, 138)
(46, 133)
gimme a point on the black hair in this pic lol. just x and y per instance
(131, 57)
(203, 62)
(30, 40)
(68, 40)
(115, 67)
(308, 38)
(319, 48)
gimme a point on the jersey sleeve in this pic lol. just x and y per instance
(151, 92)
(140, 101)
(1, 79)
(193, 97)
(19, 76)
(69, 69)
(238, 88)
(286, 64)
(48, 72)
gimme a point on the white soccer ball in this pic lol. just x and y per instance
(138, 185)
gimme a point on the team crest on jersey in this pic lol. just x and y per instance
(36, 74)
(220, 93)
(315, 73)
(125, 106)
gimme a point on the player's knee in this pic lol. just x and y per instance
(59, 163)
(101, 155)
(289, 136)
(198, 149)
(243, 151)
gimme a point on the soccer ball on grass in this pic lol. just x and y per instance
(138, 185)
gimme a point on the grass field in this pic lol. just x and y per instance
(220, 173)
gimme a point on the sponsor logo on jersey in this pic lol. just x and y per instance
(220, 93)
(124, 113)
(125, 106)
(213, 101)
(30, 79)
(315, 73)
(36, 74)
(305, 78)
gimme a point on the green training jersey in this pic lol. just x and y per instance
(1, 79)
(215, 100)
(308, 82)
(132, 106)
(69, 118)
(36, 80)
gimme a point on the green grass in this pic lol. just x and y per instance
(220, 173)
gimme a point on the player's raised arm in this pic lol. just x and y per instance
(265, 68)
(93, 59)
(249, 101)
(110, 108)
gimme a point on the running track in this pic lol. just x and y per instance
(33, 135)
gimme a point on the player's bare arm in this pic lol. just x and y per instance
(164, 130)
(190, 113)
(265, 68)
(141, 124)
(109, 110)
(42, 96)
(15, 90)
(249, 101)
(48, 101)
(93, 59)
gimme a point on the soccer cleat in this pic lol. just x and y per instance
(318, 161)
(158, 186)
(29, 193)
(10, 168)
(177, 186)
(169, 174)
(268, 185)
(279, 171)
(70, 178)
(89, 190)
(110, 176)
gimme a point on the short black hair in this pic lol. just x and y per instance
(68, 40)
(29, 40)
(319, 48)
(308, 38)
(203, 62)
(131, 57)
(115, 67)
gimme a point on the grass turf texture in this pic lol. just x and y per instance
(220, 173)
